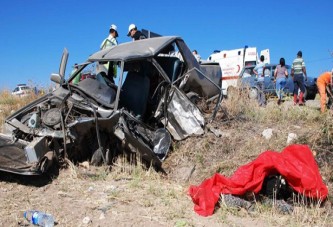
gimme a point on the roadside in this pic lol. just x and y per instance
(128, 195)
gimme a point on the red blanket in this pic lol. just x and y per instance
(295, 163)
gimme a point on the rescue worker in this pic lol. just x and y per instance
(107, 43)
(134, 33)
(111, 40)
(324, 83)
(297, 71)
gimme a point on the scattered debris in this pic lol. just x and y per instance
(291, 138)
(232, 201)
(217, 132)
(86, 220)
(235, 201)
(85, 165)
(267, 133)
(280, 205)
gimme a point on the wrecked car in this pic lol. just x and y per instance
(133, 98)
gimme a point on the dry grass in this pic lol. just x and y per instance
(10, 103)
(130, 194)
(242, 122)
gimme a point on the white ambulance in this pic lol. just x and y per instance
(232, 63)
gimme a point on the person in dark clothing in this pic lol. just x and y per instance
(134, 33)
(297, 71)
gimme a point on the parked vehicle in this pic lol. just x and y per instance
(96, 119)
(248, 80)
(232, 63)
(22, 90)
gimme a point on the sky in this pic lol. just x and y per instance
(35, 32)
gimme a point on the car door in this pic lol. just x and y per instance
(269, 79)
(289, 88)
(247, 78)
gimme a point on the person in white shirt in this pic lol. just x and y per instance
(196, 55)
(259, 71)
(111, 40)
(107, 43)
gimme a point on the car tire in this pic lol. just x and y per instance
(309, 95)
(305, 95)
(253, 93)
(193, 97)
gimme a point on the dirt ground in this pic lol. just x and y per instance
(131, 196)
(84, 197)
(92, 198)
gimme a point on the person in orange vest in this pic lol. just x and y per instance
(324, 83)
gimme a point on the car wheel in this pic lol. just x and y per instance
(305, 94)
(253, 93)
(193, 97)
(309, 95)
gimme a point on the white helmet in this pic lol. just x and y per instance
(130, 27)
(114, 27)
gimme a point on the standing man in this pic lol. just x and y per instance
(324, 83)
(107, 43)
(297, 71)
(134, 33)
(111, 40)
(259, 71)
(196, 55)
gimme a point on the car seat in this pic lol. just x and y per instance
(134, 93)
(171, 65)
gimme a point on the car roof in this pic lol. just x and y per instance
(133, 50)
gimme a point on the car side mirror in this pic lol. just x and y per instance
(56, 78)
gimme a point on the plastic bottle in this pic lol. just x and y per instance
(39, 218)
